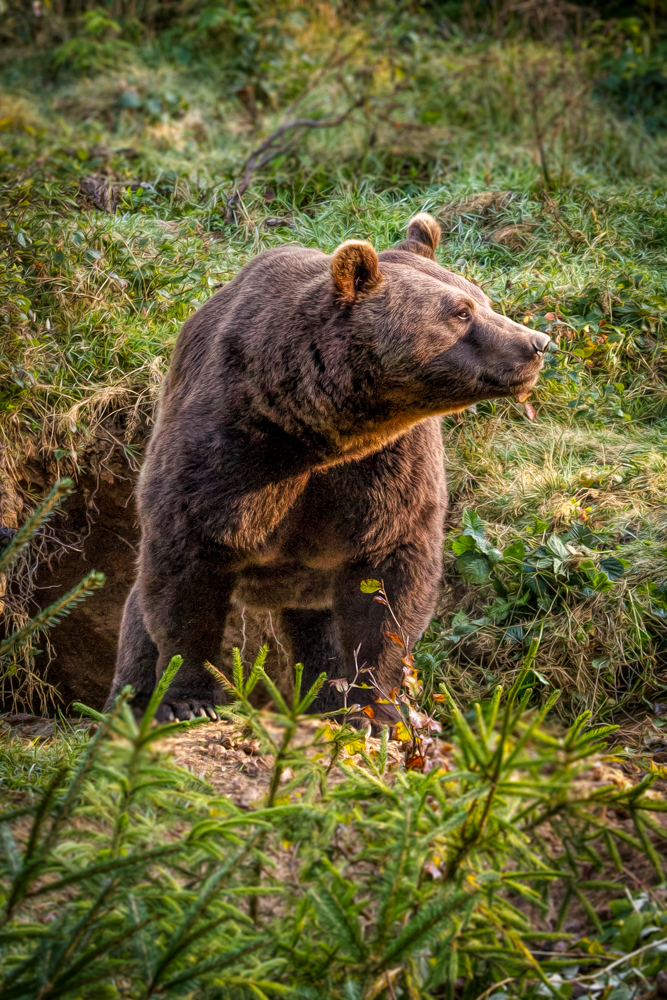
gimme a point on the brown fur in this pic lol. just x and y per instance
(297, 450)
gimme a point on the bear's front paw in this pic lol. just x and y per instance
(169, 711)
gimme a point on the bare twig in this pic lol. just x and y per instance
(272, 147)
(496, 986)
(623, 959)
(535, 97)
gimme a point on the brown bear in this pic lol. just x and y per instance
(297, 450)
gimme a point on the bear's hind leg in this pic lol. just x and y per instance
(137, 656)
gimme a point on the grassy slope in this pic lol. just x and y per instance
(94, 302)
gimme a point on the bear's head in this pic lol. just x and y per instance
(438, 344)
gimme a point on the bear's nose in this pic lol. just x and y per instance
(540, 342)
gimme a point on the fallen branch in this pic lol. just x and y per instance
(271, 148)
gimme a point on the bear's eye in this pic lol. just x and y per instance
(464, 314)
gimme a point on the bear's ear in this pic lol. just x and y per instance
(355, 270)
(423, 235)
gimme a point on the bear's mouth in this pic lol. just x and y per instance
(512, 384)
(504, 385)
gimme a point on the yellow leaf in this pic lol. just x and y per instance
(402, 733)
(356, 744)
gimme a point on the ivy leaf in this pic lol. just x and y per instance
(473, 528)
(602, 583)
(499, 610)
(514, 634)
(463, 626)
(558, 568)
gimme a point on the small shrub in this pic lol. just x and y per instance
(124, 876)
(575, 590)
(20, 684)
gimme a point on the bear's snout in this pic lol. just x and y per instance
(506, 356)
(529, 345)
(521, 346)
(508, 343)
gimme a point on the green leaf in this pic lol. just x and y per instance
(473, 523)
(462, 626)
(613, 567)
(498, 611)
(474, 567)
(370, 586)
(601, 583)
(557, 548)
(541, 678)
(464, 543)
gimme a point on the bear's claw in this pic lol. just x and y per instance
(183, 711)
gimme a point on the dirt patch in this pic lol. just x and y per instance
(513, 237)
(233, 764)
(102, 514)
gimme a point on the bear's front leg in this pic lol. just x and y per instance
(411, 577)
(185, 608)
